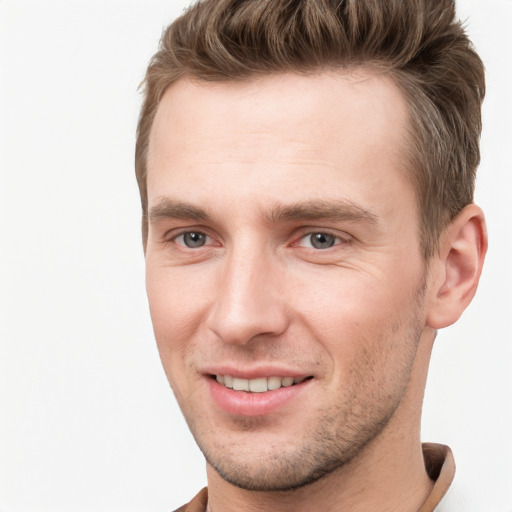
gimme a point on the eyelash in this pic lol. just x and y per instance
(337, 240)
(311, 238)
(190, 232)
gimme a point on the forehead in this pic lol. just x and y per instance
(290, 131)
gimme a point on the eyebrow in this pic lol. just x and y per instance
(169, 209)
(338, 210)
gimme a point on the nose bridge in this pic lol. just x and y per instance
(247, 301)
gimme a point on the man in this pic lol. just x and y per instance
(306, 171)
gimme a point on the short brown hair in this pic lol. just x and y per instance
(418, 42)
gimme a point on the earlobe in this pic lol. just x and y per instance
(459, 265)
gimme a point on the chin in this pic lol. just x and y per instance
(273, 479)
(287, 466)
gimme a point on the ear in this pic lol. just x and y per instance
(456, 269)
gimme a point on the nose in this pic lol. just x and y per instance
(248, 300)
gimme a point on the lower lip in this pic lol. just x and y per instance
(242, 403)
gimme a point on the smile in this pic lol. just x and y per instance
(259, 385)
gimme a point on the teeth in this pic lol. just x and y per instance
(274, 383)
(240, 384)
(260, 385)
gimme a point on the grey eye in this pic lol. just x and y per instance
(194, 239)
(322, 240)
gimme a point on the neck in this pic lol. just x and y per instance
(388, 475)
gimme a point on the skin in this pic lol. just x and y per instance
(256, 176)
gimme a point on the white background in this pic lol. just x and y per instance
(87, 421)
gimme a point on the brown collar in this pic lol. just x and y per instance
(198, 504)
(440, 467)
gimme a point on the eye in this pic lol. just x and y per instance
(319, 241)
(192, 239)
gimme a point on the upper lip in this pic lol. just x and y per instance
(255, 372)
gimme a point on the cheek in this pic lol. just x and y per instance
(176, 305)
(364, 325)
(352, 303)
(174, 323)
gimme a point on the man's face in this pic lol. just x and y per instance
(283, 247)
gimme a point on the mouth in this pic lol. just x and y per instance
(258, 385)
(256, 394)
